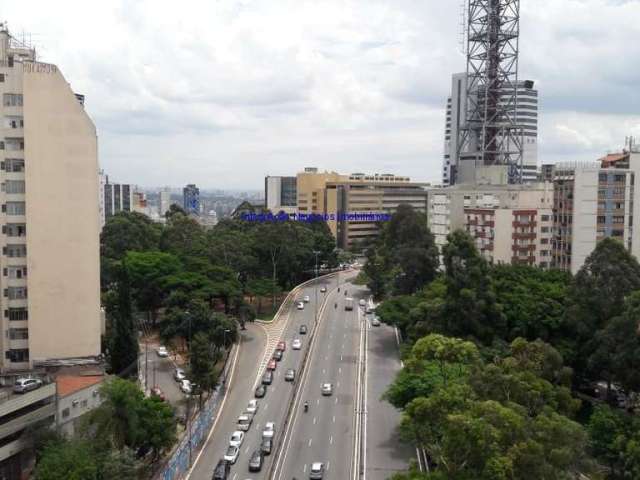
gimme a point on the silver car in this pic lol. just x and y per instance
(24, 385)
(327, 389)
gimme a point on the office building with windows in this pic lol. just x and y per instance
(281, 194)
(50, 263)
(191, 199)
(117, 197)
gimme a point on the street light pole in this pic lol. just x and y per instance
(315, 286)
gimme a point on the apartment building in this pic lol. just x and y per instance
(50, 300)
(281, 194)
(509, 223)
(115, 197)
(191, 199)
(591, 203)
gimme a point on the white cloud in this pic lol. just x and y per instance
(222, 92)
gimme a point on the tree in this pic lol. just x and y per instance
(148, 271)
(183, 236)
(203, 359)
(471, 308)
(67, 460)
(123, 348)
(118, 465)
(157, 431)
(259, 288)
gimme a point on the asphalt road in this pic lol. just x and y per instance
(160, 372)
(385, 454)
(273, 407)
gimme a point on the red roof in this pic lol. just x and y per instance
(612, 158)
(68, 384)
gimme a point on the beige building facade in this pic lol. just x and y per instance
(50, 220)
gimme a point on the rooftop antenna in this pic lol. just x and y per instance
(462, 41)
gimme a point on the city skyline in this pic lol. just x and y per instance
(309, 90)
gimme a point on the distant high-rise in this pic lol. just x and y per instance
(280, 194)
(165, 201)
(191, 199)
(526, 115)
(117, 197)
(50, 228)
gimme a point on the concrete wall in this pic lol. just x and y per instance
(63, 222)
(585, 215)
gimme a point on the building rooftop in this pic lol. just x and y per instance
(68, 384)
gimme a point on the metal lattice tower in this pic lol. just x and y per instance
(491, 95)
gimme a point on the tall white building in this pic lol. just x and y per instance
(50, 303)
(527, 116)
(165, 201)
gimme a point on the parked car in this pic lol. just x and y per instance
(157, 392)
(255, 462)
(24, 385)
(306, 299)
(266, 446)
(362, 302)
(179, 375)
(375, 321)
(267, 378)
(261, 391)
(296, 344)
(317, 471)
(282, 345)
(323, 289)
(269, 430)
(186, 386)
(252, 407)
(162, 351)
(232, 454)
(272, 365)
(221, 472)
(300, 306)
(236, 439)
(277, 355)
(303, 329)
(290, 375)
(327, 389)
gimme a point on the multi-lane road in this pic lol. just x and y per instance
(337, 430)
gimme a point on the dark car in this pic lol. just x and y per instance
(303, 329)
(261, 391)
(266, 445)
(255, 462)
(267, 378)
(221, 472)
(277, 355)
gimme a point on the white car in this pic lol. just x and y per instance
(323, 289)
(252, 407)
(306, 299)
(179, 375)
(316, 471)
(162, 351)
(300, 306)
(236, 439)
(296, 344)
(232, 454)
(363, 302)
(269, 430)
(186, 387)
(327, 389)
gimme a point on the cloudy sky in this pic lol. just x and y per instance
(224, 92)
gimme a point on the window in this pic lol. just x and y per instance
(618, 178)
(19, 333)
(617, 233)
(18, 355)
(15, 293)
(16, 314)
(14, 186)
(544, 241)
(15, 208)
(602, 177)
(544, 218)
(84, 403)
(15, 272)
(1, 77)
(544, 229)
(15, 250)
(601, 219)
(65, 413)
(14, 229)
(12, 100)
(618, 219)
(14, 165)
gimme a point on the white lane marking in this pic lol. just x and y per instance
(328, 466)
(334, 419)
(339, 369)
(235, 475)
(318, 402)
(246, 450)
(266, 405)
(324, 371)
(310, 440)
(336, 399)
(305, 468)
(338, 385)
(314, 420)
(331, 440)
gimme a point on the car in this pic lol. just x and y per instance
(221, 472)
(277, 355)
(282, 345)
(244, 421)
(369, 309)
(267, 378)
(269, 430)
(162, 351)
(236, 439)
(252, 406)
(362, 302)
(272, 365)
(300, 306)
(24, 385)
(186, 386)
(232, 454)
(261, 391)
(296, 344)
(306, 299)
(323, 289)
(266, 446)
(316, 471)
(179, 375)
(157, 392)
(303, 329)
(290, 375)
(327, 389)
(375, 321)
(255, 462)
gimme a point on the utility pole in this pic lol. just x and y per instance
(146, 364)
(315, 285)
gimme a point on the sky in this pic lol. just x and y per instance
(223, 92)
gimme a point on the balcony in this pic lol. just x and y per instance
(526, 224)
(523, 236)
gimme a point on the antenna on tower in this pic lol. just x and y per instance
(463, 27)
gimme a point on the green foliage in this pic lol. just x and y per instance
(122, 341)
(204, 355)
(67, 460)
